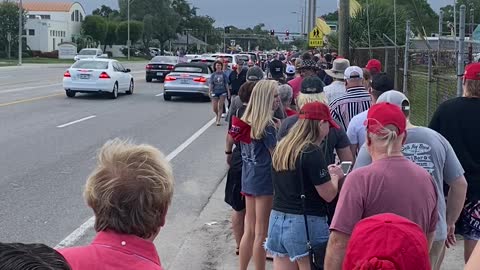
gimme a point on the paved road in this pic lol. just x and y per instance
(45, 163)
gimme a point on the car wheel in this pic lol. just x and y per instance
(149, 79)
(130, 89)
(114, 93)
(70, 94)
(167, 97)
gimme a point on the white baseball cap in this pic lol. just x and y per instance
(353, 72)
(290, 69)
(395, 97)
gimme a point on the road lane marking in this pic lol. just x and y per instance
(161, 94)
(28, 100)
(77, 121)
(80, 232)
(29, 88)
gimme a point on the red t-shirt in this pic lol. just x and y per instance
(296, 85)
(110, 250)
(391, 185)
(290, 112)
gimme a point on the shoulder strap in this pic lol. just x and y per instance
(303, 198)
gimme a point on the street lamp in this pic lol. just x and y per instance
(20, 32)
(300, 21)
(128, 28)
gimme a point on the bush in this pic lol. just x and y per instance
(53, 54)
(36, 53)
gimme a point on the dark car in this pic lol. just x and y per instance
(159, 67)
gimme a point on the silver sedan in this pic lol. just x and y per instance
(188, 79)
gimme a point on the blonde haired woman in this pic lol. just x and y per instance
(256, 171)
(299, 157)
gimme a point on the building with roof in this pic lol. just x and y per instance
(51, 23)
(184, 41)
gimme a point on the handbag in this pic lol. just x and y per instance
(316, 254)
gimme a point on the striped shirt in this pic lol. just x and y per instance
(355, 101)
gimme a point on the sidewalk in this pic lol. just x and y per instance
(210, 246)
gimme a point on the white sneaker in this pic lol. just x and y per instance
(224, 115)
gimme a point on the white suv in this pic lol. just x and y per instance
(90, 54)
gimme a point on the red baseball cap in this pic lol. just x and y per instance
(383, 114)
(472, 72)
(317, 111)
(387, 242)
(240, 131)
(374, 64)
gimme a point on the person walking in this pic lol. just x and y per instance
(257, 186)
(233, 187)
(391, 184)
(431, 151)
(219, 90)
(236, 79)
(457, 121)
(300, 158)
(286, 97)
(337, 72)
(354, 101)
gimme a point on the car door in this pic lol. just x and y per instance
(125, 75)
(119, 75)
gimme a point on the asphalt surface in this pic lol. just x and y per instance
(44, 166)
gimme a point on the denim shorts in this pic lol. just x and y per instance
(287, 235)
(469, 222)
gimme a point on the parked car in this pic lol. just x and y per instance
(188, 79)
(159, 67)
(90, 54)
(97, 76)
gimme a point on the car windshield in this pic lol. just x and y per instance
(87, 52)
(91, 64)
(191, 69)
(244, 58)
(165, 59)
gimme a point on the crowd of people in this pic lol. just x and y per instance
(326, 171)
(297, 200)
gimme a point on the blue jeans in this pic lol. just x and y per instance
(287, 235)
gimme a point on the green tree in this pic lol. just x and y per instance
(185, 13)
(470, 4)
(111, 36)
(423, 17)
(106, 12)
(9, 24)
(95, 26)
(332, 16)
(381, 22)
(136, 32)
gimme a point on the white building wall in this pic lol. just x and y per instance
(59, 28)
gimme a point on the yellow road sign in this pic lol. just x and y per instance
(315, 38)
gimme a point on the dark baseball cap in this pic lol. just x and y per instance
(312, 85)
(254, 74)
(276, 68)
(382, 83)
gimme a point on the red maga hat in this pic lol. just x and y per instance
(240, 131)
(374, 64)
(387, 242)
(472, 72)
(384, 114)
(317, 111)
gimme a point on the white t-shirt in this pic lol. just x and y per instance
(335, 90)
(356, 129)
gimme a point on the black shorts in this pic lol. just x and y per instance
(233, 187)
(468, 224)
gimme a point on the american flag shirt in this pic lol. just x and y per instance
(355, 101)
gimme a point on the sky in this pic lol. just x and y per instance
(275, 14)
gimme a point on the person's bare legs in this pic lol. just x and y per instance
(437, 252)
(284, 263)
(304, 263)
(246, 244)
(215, 106)
(263, 207)
(469, 245)
(238, 221)
(221, 105)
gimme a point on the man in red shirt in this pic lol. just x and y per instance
(129, 191)
(391, 184)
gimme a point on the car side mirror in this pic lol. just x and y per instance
(127, 70)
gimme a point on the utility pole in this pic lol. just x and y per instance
(128, 31)
(20, 32)
(343, 26)
(461, 54)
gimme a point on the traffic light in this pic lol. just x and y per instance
(287, 33)
(227, 30)
(272, 32)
